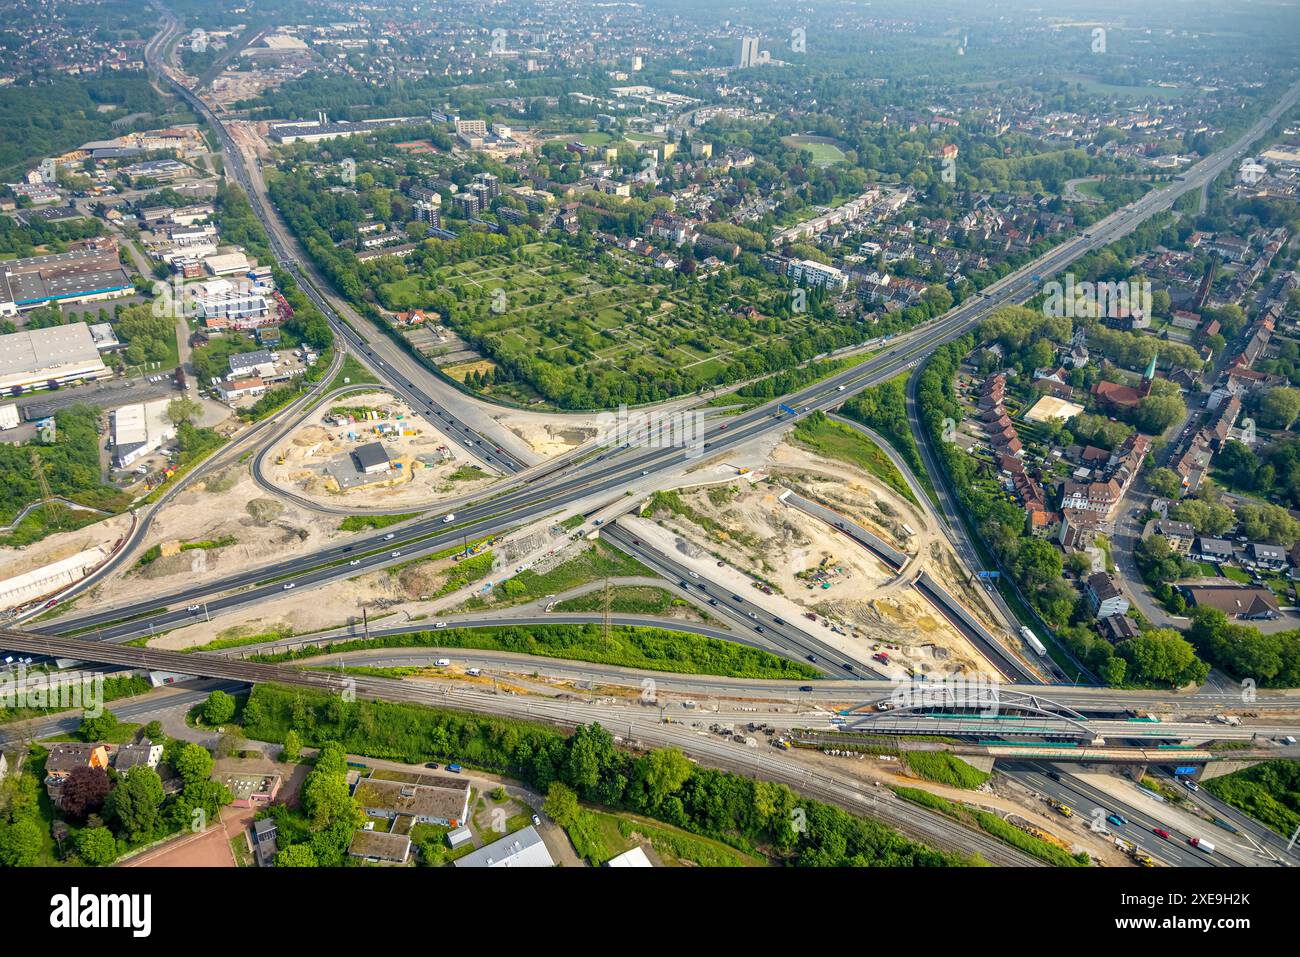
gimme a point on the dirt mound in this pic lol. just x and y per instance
(264, 510)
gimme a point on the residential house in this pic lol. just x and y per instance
(1216, 550)
(1235, 601)
(1079, 528)
(1266, 557)
(1179, 535)
(1104, 597)
(144, 754)
(1117, 628)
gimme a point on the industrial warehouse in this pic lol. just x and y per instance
(82, 275)
(57, 355)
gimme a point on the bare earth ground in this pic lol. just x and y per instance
(226, 504)
(553, 433)
(550, 435)
(760, 538)
(425, 475)
(390, 597)
(18, 561)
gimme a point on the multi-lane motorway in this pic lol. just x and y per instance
(747, 616)
(595, 482)
(608, 476)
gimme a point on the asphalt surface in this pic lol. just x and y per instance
(615, 469)
(386, 358)
(793, 638)
(907, 352)
(1093, 806)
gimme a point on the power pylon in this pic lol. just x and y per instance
(53, 507)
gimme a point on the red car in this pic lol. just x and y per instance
(1161, 832)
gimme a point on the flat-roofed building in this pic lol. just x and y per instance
(380, 847)
(80, 275)
(810, 273)
(524, 848)
(240, 305)
(226, 264)
(139, 429)
(265, 841)
(56, 355)
(250, 790)
(435, 801)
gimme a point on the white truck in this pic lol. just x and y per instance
(1032, 641)
(448, 517)
(1201, 844)
(442, 662)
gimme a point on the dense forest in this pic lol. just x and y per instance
(50, 118)
(71, 464)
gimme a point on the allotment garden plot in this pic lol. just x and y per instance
(588, 330)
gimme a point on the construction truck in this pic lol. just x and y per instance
(1062, 809)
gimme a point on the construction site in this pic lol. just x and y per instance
(369, 449)
(740, 533)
